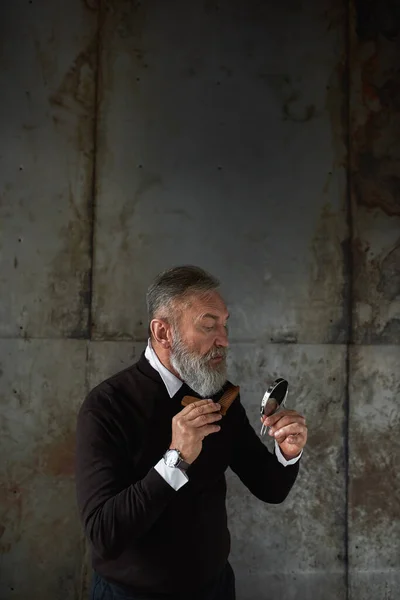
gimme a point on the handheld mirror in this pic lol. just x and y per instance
(273, 399)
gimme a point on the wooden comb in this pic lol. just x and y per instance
(225, 401)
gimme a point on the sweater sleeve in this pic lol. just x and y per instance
(112, 512)
(258, 469)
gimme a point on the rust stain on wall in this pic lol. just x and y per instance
(76, 95)
(375, 138)
(57, 457)
(376, 280)
(77, 85)
(376, 151)
(374, 506)
(122, 27)
(375, 156)
(75, 100)
(70, 267)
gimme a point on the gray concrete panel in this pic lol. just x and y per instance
(47, 70)
(294, 550)
(107, 358)
(41, 542)
(221, 144)
(374, 509)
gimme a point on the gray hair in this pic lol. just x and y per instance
(177, 284)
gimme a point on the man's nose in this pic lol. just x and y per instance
(222, 339)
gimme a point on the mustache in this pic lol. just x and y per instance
(216, 353)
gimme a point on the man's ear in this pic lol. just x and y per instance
(162, 332)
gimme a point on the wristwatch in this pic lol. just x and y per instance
(173, 459)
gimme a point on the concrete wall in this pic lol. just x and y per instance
(261, 141)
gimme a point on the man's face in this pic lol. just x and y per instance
(200, 342)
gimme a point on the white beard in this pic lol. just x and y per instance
(196, 371)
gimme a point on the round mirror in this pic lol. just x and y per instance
(273, 399)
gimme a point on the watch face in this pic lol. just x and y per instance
(172, 458)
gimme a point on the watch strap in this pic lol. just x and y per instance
(183, 465)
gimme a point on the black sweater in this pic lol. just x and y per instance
(145, 535)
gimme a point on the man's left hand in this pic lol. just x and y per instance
(289, 429)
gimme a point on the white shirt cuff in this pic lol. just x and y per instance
(175, 477)
(282, 459)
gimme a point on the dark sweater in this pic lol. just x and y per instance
(145, 535)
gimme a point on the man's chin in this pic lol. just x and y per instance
(217, 364)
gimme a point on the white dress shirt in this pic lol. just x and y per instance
(175, 477)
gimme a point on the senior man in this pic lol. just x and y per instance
(150, 474)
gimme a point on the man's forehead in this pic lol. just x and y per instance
(210, 305)
(214, 316)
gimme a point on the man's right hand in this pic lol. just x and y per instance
(192, 425)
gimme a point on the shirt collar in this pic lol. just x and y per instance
(171, 382)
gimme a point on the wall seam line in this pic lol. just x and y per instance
(349, 295)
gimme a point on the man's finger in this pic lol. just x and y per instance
(205, 419)
(208, 429)
(203, 409)
(270, 421)
(189, 408)
(287, 420)
(294, 429)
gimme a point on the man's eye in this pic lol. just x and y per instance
(209, 328)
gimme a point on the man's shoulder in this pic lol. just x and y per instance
(125, 384)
